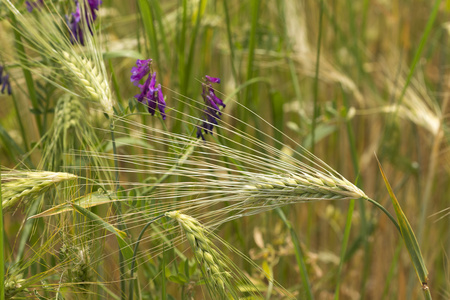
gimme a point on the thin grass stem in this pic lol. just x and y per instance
(348, 226)
(2, 255)
(26, 72)
(316, 80)
(418, 54)
(121, 225)
(136, 246)
(251, 47)
(362, 204)
(305, 289)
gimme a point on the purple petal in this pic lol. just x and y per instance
(94, 4)
(77, 14)
(140, 71)
(6, 84)
(212, 104)
(212, 79)
(29, 6)
(161, 103)
(216, 99)
(153, 82)
(144, 90)
(200, 133)
(151, 103)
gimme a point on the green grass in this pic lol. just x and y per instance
(342, 79)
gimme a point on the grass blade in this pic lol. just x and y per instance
(121, 235)
(409, 239)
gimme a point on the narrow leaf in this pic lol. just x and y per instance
(408, 236)
(91, 200)
(121, 235)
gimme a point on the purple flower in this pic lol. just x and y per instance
(152, 95)
(4, 81)
(34, 4)
(29, 6)
(75, 22)
(212, 111)
(141, 70)
(94, 6)
(76, 34)
(212, 79)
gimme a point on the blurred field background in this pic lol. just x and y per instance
(345, 79)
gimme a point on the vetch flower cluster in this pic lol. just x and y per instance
(151, 95)
(4, 82)
(212, 111)
(34, 4)
(76, 32)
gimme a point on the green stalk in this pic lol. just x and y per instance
(230, 41)
(19, 120)
(147, 19)
(185, 69)
(114, 81)
(136, 246)
(392, 269)
(119, 214)
(418, 53)
(184, 87)
(305, 289)
(26, 72)
(364, 231)
(27, 229)
(252, 46)
(181, 44)
(158, 16)
(163, 270)
(2, 260)
(354, 44)
(348, 226)
(316, 80)
(138, 30)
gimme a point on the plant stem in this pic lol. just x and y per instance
(316, 80)
(120, 225)
(306, 291)
(252, 46)
(26, 72)
(2, 261)
(362, 204)
(230, 41)
(348, 226)
(133, 262)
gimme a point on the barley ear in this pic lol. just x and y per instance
(25, 185)
(215, 271)
(91, 79)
